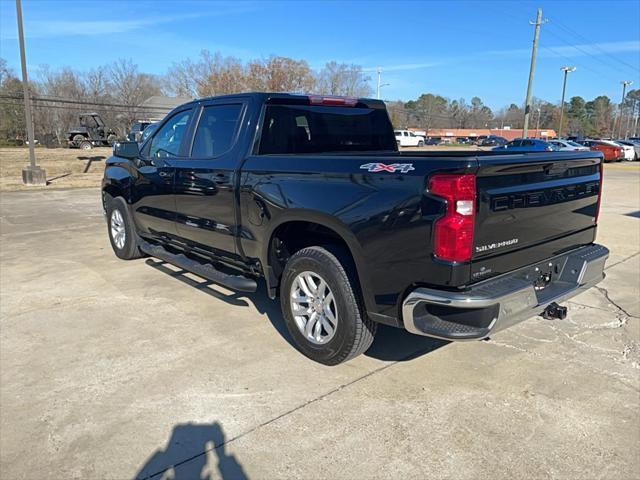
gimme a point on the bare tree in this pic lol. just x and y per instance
(130, 88)
(343, 79)
(280, 74)
(52, 118)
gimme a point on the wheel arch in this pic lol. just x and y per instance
(299, 229)
(116, 183)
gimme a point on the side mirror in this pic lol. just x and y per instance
(129, 150)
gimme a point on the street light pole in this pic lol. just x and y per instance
(378, 89)
(633, 111)
(33, 174)
(566, 71)
(624, 92)
(635, 121)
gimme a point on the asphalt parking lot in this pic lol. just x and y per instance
(113, 369)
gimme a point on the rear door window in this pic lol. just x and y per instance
(216, 130)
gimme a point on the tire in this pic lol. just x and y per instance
(421, 143)
(77, 139)
(353, 331)
(86, 145)
(119, 220)
(111, 139)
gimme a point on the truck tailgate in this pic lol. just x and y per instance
(532, 207)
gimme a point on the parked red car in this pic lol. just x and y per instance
(611, 152)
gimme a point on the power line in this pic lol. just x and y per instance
(582, 50)
(581, 37)
(39, 105)
(81, 102)
(570, 60)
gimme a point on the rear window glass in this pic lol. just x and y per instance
(320, 129)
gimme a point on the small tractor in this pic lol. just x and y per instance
(90, 133)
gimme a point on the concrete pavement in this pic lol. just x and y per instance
(112, 369)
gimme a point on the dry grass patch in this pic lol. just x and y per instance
(65, 168)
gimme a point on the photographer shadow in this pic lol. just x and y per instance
(194, 451)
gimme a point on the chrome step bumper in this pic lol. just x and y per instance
(501, 302)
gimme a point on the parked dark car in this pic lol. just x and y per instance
(433, 141)
(528, 145)
(135, 134)
(492, 141)
(309, 196)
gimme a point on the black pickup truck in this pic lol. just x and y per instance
(310, 194)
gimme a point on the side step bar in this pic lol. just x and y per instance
(205, 270)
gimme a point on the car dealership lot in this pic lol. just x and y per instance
(113, 369)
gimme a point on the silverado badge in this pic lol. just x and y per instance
(381, 167)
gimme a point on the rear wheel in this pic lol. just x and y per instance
(86, 145)
(122, 234)
(322, 306)
(421, 143)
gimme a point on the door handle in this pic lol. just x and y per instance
(164, 174)
(221, 178)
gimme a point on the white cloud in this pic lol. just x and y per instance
(402, 67)
(578, 50)
(77, 27)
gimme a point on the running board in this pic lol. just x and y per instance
(205, 270)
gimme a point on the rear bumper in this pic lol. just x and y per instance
(501, 302)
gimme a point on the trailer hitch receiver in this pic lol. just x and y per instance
(554, 311)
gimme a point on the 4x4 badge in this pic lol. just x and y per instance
(381, 167)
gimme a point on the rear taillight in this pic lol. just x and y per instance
(595, 219)
(336, 101)
(453, 233)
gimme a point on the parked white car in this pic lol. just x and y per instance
(568, 145)
(634, 144)
(405, 138)
(629, 152)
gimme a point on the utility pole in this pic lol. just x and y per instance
(566, 71)
(538, 124)
(33, 174)
(532, 68)
(624, 92)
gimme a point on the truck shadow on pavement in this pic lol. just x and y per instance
(390, 344)
(194, 451)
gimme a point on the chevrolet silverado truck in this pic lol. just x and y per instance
(309, 197)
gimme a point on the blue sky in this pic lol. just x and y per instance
(456, 48)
